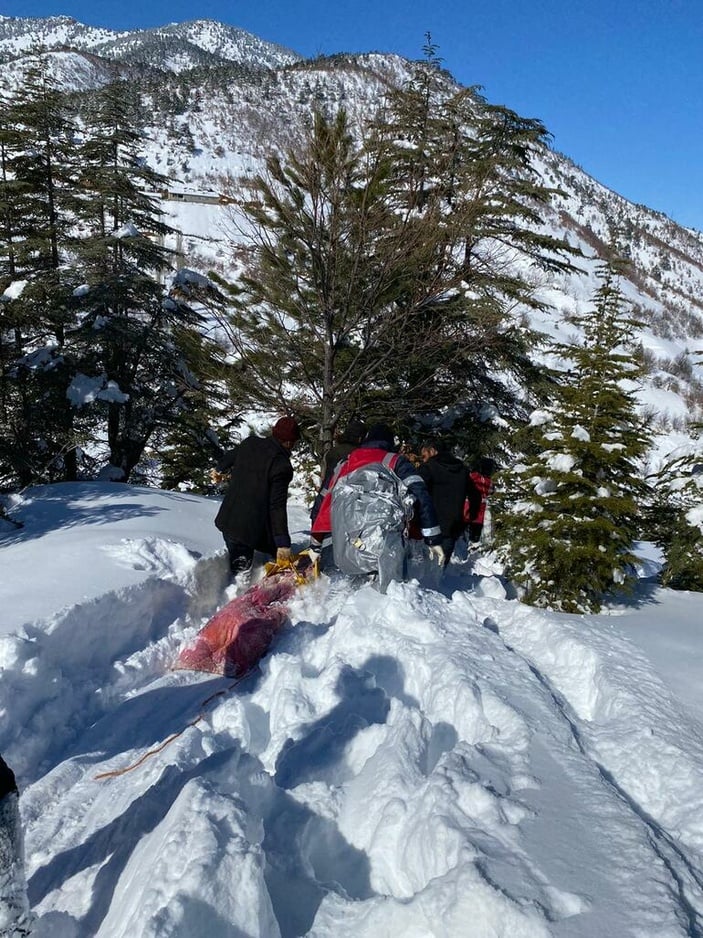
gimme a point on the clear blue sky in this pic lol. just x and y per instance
(619, 83)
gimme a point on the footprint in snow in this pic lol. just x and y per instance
(152, 555)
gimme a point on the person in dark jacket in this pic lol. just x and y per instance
(348, 440)
(15, 917)
(446, 478)
(253, 514)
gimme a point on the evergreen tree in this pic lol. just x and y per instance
(190, 445)
(38, 159)
(131, 335)
(571, 508)
(318, 293)
(370, 283)
(9, 192)
(465, 167)
(677, 521)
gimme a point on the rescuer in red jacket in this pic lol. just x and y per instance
(380, 440)
(480, 487)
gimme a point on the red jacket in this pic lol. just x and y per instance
(480, 487)
(363, 456)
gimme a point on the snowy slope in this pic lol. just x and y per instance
(19, 34)
(71, 70)
(434, 762)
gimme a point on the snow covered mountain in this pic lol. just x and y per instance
(19, 34)
(180, 46)
(221, 99)
(175, 47)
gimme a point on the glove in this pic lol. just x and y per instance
(283, 555)
(437, 555)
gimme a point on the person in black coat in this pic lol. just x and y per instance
(447, 481)
(253, 514)
(348, 439)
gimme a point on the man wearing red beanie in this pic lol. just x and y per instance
(253, 515)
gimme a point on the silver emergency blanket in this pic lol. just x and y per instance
(370, 512)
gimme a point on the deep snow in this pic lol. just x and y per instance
(433, 762)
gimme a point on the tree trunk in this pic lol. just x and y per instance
(328, 415)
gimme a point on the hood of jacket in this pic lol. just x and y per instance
(449, 463)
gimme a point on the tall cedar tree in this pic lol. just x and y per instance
(371, 287)
(91, 348)
(571, 510)
(190, 445)
(465, 168)
(38, 160)
(132, 337)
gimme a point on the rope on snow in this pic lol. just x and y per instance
(152, 752)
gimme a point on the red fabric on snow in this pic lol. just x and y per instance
(239, 635)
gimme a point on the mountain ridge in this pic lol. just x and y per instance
(217, 42)
(221, 100)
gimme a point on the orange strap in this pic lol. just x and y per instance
(170, 739)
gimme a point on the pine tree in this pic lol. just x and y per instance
(130, 339)
(38, 157)
(677, 521)
(571, 508)
(372, 283)
(467, 166)
(318, 293)
(190, 445)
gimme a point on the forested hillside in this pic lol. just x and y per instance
(197, 226)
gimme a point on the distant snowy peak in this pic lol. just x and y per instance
(176, 47)
(230, 43)
(19, 34)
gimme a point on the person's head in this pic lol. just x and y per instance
(486, 466)
(428, 449)
(380, 433)
(354, 432)
(286, 432)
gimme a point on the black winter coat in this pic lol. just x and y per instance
(7, 779)
(333, 456)
(253, 510)
(447, 481)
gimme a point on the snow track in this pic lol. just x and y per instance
(63, 674)
(660, 809)
(417, 764)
